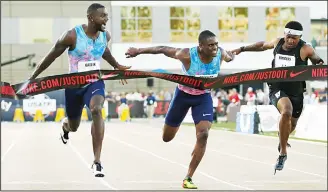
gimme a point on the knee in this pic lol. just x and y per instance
(287, 112)
(169, 133)
(202, 135)
(73, 127)
(96, 110)
(166, 138)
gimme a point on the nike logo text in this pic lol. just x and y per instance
(292, 74)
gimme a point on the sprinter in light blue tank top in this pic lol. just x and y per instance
(202, 61)
(199, 69)
(86, 45)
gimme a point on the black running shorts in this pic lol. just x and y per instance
(297, 101)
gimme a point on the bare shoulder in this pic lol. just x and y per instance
(108, 36)
(276, 41)
(307, 49)
(183, 53)
(68, 37)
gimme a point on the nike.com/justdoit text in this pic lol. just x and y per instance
(280, 74)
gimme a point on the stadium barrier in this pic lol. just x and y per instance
(312, 123)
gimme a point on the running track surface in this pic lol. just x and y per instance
(135, 157)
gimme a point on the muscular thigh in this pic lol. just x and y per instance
(202, 109)
(178, 109)
(96, 88)
(280, 100)
(73, 103)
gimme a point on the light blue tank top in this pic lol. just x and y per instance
(87, 53)
(199, 69)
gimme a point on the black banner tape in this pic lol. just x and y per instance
(78, 80)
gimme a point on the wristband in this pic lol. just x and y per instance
(320, 61)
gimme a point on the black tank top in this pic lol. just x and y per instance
(283, 58)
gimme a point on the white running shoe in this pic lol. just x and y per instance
(64, 134)
(98, 170)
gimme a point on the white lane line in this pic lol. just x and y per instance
(173, 162)
(13, 143)
(255, 161)
(105, 183)
(238, 157)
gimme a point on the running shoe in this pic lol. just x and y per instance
(280, 163)
(188, 184)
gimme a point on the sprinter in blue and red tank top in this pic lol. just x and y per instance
(203, 60)
(86, 44)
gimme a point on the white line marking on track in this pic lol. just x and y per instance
(268, 148)
(243, 158)
(173, 162)
(42, 182)
(152, 181)
(26, 182)
(105, 183)
(256, 161)
(271, 137)
(285, 182)
(13, 143)
(292, 151)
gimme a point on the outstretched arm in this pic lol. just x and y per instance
(181, 54)
(312, 55)
(64, 42)
(258, 46)
(107, 56)
(172, 52)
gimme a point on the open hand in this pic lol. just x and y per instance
(122, 67)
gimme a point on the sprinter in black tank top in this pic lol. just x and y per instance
(287, 97)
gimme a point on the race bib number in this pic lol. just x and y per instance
(284, 60)
(88, 66)
(206, 76)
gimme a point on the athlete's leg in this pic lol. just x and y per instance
(177, 111)
(97, 127)
(74, 105)
(297, 103)
(202, 129)
(285, 107)
(294, 123)
(94, 98)
(202, 113)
